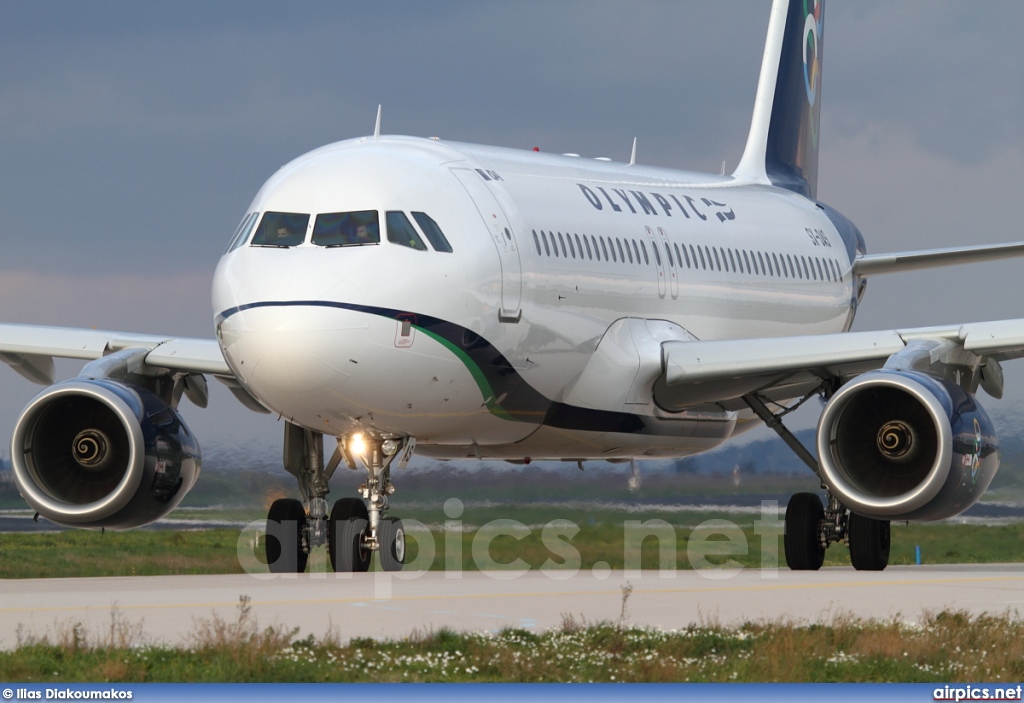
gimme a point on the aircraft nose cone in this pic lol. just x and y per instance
(296, 355)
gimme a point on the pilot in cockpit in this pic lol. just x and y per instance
(363, 235)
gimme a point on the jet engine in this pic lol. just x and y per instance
(99, 453)
(905, 445)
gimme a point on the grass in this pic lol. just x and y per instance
(136, 553)
(948, 646)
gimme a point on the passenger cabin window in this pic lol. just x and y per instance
(433, 233)
(281, 229)
(347, 229)
(401, 231)
(243, 231)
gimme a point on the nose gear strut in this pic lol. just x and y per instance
(355, 528)
(376, 454)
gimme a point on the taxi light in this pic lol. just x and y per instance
(356, 444)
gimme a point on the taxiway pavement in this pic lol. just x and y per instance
(382, 605)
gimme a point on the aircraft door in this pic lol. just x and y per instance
(504, 240)
(673, 274)
(658, 262)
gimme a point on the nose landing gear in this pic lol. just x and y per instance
(356, 527)
(385, 535)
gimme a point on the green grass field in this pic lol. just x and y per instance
(552, 543)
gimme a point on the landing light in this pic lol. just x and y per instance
(356, 444)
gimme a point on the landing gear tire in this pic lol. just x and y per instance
(392, 544)
(347, 551)
(869, 543)
(345, 531)
(802, 541)
(346, 508)
(286, 523)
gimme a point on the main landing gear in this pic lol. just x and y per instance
(356, 527)
(811, 527)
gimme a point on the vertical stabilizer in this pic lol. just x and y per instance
(782, 147)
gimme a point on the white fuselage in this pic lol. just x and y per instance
(492, 350)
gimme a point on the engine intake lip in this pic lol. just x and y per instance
(32, 483)
(845, 484)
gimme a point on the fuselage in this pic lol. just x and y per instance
(491, 348)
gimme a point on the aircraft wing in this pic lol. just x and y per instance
(876, 264)
(30, 350)
(696, 372)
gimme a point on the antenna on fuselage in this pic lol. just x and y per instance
(632, 157)
(376, 127)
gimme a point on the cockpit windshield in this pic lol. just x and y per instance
(401, 231)
(243, 231)
(281, 229)
(433, 232)
(344, 229)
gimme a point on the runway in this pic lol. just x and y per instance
(25, 523)
(382, 605)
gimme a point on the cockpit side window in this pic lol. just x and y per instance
(243, 231)
(281, 229)
(401, 231)
(434, 234)
(345, 229)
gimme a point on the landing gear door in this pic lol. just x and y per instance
(504, 239)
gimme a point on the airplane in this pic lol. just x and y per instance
(406, 295)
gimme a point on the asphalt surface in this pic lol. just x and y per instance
(381, 605)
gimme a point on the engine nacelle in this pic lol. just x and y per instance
(102, 453)
(903, 445)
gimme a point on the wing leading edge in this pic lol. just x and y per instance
(896, 262)
(30, 350)
(785, 367)
(174, 353)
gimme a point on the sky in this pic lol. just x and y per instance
(134, 135)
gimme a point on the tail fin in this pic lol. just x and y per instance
(782, 147)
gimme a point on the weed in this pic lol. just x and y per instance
(627, 591)
(950, 645)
